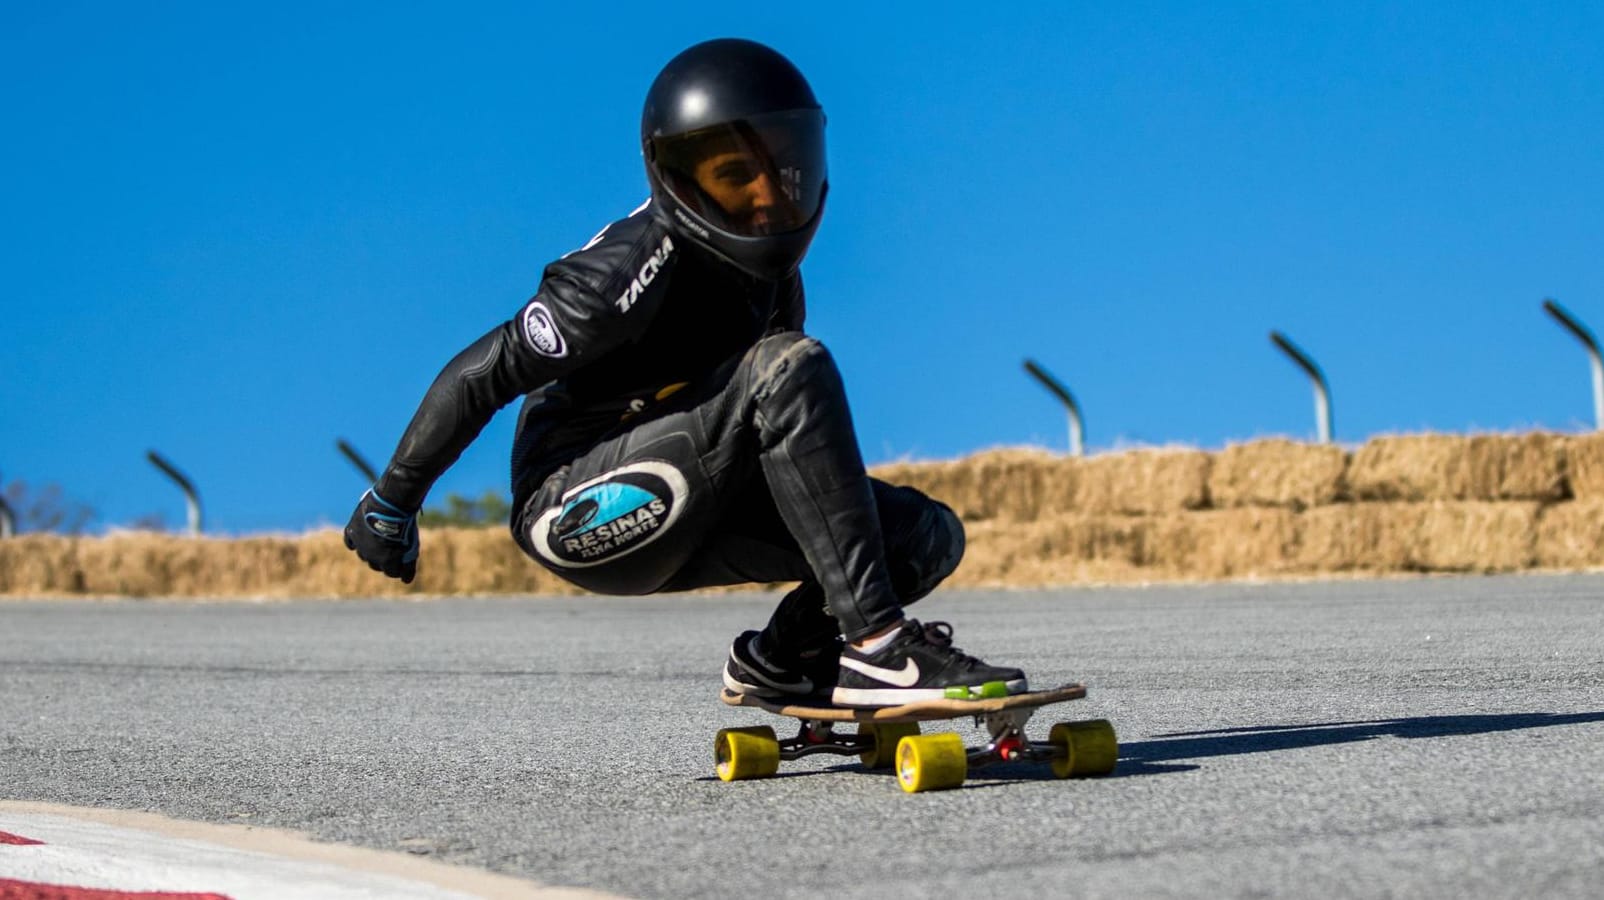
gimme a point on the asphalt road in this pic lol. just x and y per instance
(1420, 737)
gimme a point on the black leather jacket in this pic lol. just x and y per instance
(615, 326)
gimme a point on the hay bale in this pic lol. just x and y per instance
(1584, 466)
(129, 565)
(1468, 536)
(1018, 485)
(241, 567)
(155, 564)
(1065, 549)
(1478, 537)
(1534, 466)
(324, 568)
(39, 564)
(1113, 548)
(1231, 543)
(1278, 472)
(939, 479)
(1141, 482)
(1436, 467)
(488, 561)
(1571, 535)
(1351, 537)
(1409, 468)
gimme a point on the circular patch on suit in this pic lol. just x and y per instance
(540, 330)
(611, 516)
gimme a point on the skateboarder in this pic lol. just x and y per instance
(679, 430)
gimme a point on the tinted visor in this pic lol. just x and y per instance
(752, 177)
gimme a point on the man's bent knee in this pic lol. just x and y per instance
(924, 541)
(789, 357)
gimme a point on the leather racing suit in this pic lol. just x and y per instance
(680, 431)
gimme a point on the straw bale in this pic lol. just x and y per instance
(1350, 537)
(1065, 549)
(1076, 548)
(1019, 485)
(1467, 536)
(1409, 467)
(1230, 543)
(488, 561)
(1584, 466)
(1140, 482)
(937, 479)
(1534, 466)
(131, 565)
(453, 561)
(1278, 472)
(35, 564)
(324, 568)
(151, 564)
(1424, 467)
(1571, 535)
(1479, 537)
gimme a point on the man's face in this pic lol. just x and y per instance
(740, 183)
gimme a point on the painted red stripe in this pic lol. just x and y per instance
(28, 890)
(18, 840)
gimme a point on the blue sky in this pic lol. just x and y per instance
(235, 235)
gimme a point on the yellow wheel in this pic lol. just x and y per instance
(1089, 748)
(931, 762)
(886, 735)
(742, 753)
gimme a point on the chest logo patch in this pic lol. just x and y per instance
(540, 330)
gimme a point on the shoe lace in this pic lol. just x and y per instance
(939, 634)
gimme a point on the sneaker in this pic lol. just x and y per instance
(920, 663)
(750, 671)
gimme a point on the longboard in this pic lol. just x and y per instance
(889, 736)
(918, 711)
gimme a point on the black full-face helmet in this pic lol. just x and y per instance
(734, 146)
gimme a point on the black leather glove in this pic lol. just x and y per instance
(385, 536)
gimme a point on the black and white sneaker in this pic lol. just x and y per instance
(750, 671)
(920, 663)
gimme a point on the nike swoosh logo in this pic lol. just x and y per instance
(907, 676)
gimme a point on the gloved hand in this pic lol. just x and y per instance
(385, 536)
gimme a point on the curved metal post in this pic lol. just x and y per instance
(1585, 335)
(356, 459)
(191, 496)
(1322, 391)
(1077, 427)
(8, 519)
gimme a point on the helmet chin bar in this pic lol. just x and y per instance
(767, 258)
(690, 224)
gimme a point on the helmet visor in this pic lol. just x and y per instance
(751, 177)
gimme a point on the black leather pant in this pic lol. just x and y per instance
(751, 476)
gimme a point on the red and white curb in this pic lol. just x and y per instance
(52, 852)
